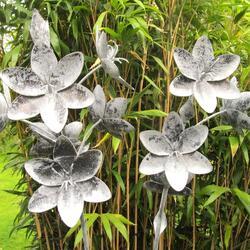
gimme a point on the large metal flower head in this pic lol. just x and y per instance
(237, 111)
(67, 181)
(203, 75)
(173, 151)
(110, 113)
(48, 87)
(107, 55)
(46, 138)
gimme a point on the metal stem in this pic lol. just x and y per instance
(89, 74)
(211, 116)
(84, 232)
(161, 210)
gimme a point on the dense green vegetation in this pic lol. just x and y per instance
(216, 216)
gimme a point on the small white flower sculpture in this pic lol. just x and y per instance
(204, 76)
(174, 151)
(67, 181)
(110, 113)
(47, 88)
(236, 111)
(107, 55)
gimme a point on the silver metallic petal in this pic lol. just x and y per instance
(238, 119)
(242, 103)
(153, 186)
(222, 67)
(67, 70)
(94, 190)
(45, 171)
(152, 164)
(42, 148)
(43, 199)
(117, 126)
(86, 165)
(182, 86)
(203, 51)
(77, 97)
(110, 68)
(173, 126)
(73, 130)
(43, 62)
(39, 29)
(116, 108)
(70, 204)
(3, 112)
(186, 63)
(176, 173)
(187, 110)
(197, 163)
(192, 138)
(97, 109)
(226, 89)
(101, 44)
(25, 107)
(63, 148)
(205, 95)
(155, 142)
(53, 112)
(42, 130)
(23, 81)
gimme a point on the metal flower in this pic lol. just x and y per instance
(47, 88)
(67, 181)
(3, 112)
(204, 76)
(236, 111)
(107, 55)
(46, 138)
(174, 151)
(110, 113)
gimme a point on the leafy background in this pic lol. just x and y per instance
(216, 216)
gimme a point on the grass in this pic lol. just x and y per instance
(9, 208)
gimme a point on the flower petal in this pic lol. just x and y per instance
(186, 63)
(42, 130)
(3, 112)
(203, 51)
(53, 112)
(97, 109)
(110, 68)
(25, 107)
(117, 126)
(192, 138)
(197, 163)
(205, 96)
(73, 130)
(23, 81)
(42, 148)
(43, 199)
(67, 71)
(152, 164)
(172, 126)
(77, 97)
(176, 173)
(155, 142)
(186, 191)
(153, 186)
(223, 67)
(226, 89)
(116, 108)
(101, 44)
(242, 103)
(238, 119)
(43, 62)
(39, 29)
(181, 86)
(70, 204)
(94, 190)
(187, 110)
(45, 171)
(86, 165)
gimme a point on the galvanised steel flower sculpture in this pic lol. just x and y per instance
(173, 151)
(107, 55)
(67, 181)
(237, 111)
(110, 113)
(204, 76)
(48, 87)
